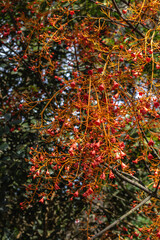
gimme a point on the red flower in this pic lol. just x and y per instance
(41, 200)
(100, 70)
(90, 72)
(158, 234)
(124, 11)
(47, 173)
(151, 143)
(157, 66)
(148, 59)
(123, 165)
(90, 191)
(56, 186)
(70, 184)
(73, 84)
(135, 161)
(98, 122)
(156, 104)
(72, 12)
(101, 87)
(25, 56)
(150, 156)
(111, 175)
(125, 229)
(115, 85)
(103, 176)
(76, 194)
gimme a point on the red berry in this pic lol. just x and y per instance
(125, 229)
(136, 234)
(90, 191)
(156, 172)
(103, 176)
(90, 72)
(76, 194)
(73, 84)
(133, 55)
(151, 143)
(156, 104)
(70, 184)
(115, 85)
(98, 122)
(150, 51)
(141, 93)
(158, 234)
(20, 106)
(124, 11)
(101, 87)
(140, 55)
(72, 12)
(25, 56)
(100, 70)
(148, 59)
(121, 59)
(157, 66)
(150, 156)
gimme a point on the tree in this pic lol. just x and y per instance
(16, 135)
(100, 125)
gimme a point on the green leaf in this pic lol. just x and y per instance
(40, 231)
(7, 116)
(126, 39)
(4, 146)
(16, 122)
(6, 129)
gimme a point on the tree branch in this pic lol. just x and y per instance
(131, 181)
(117, 173)
(121, 218)
(130, 25)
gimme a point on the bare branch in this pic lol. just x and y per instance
(121, 218)
(131, 181)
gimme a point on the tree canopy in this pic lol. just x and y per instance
(80, 119)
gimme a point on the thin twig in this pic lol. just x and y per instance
(148, 142)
